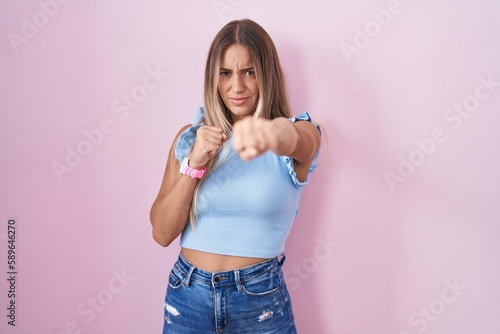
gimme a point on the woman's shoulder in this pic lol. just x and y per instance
(305, 116)
(187, 134)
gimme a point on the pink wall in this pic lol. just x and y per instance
(399, 230)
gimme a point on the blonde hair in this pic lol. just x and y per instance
(273, 96)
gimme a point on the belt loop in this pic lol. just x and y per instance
(237, 280)
(188, 276)
(282, 260)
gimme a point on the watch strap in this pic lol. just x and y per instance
(191, 172)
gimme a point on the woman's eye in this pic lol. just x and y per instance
(250, 73)
(225, 73)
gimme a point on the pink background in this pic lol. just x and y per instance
(391, 254)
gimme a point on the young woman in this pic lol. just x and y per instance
(232, 187)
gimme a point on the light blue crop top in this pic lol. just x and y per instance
(244, 208)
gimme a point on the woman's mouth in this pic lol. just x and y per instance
(238, 101)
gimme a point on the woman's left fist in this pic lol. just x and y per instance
(252, 137)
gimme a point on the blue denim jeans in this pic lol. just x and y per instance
(252, 300)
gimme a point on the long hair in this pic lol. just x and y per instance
(273, 96)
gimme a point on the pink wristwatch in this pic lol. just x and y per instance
(191, 172)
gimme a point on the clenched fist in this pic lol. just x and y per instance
(209, 140)
(254, 136)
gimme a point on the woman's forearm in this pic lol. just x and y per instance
(170, 212)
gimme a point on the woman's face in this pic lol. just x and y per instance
(237, 82)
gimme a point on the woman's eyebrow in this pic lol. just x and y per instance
(242, 70)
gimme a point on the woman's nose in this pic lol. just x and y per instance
(237, 84)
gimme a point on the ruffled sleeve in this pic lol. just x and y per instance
(187, 138)
(289, 161)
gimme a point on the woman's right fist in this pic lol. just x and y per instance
(209, 140)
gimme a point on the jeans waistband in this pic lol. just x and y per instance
(224, 278)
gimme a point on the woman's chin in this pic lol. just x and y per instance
(240, 112)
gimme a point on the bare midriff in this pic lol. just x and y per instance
(217, 262)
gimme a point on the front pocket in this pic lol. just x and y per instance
(263, 284)
(176, 277)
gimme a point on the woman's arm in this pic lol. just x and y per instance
(170, 211)
(299, 140)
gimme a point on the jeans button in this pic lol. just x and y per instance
(217, 279)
